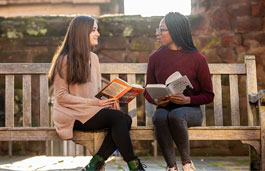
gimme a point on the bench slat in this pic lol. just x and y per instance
(34, 129)
(132, 107)
(112, 76)
(251, 88)
(44, 95)
(227, 68)
(107, 68)
(26, 100)
(234, 97)
(71, 148)
(123, 68)
(203, 134)
(218, 108)
(149, 111)
(203, 109)
(79, 150)
(24, 68)
(9, 100)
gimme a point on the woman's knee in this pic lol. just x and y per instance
(177, 116)
(121, 118)
(160, 117)
(128, 120)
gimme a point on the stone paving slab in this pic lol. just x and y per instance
(114, 163)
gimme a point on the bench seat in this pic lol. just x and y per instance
(137, 133)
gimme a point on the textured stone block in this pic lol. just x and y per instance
(257, 36)
(231, 40)
(247, 24)
(112, 43)
(220, 20)
(142, 44)
(239, 9)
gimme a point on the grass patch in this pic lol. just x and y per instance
(243, 162)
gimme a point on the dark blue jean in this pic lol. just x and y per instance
(172, 125)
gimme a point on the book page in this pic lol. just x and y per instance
(114, 89)
(136, 85)
(176, 75)
(179, 85)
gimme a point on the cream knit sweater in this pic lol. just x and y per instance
(75, 101)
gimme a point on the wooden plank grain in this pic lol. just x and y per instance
(203, 109)
(234, 98)
(132, 106)
(44, 100)
(251, 87)
(262, 128)
(112, 76)
(107, 68)
(24, 68)
(236, 68)
(218, 107)
(9, 100)
(26, 100)
(123, 68)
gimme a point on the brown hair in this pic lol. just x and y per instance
(75, 50)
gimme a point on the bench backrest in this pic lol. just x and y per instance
(131, 70)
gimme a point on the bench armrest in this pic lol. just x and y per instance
(255, 97)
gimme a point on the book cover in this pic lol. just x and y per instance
(120, 90)
(175, 84)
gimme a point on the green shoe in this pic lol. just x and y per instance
(136, 165)
(95, 164)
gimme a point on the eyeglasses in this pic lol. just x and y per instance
(161, 30)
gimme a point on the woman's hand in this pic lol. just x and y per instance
(106, 103)
(162, 101)
(116, 105)
(179, 99)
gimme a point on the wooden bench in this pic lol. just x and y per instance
(252, 134)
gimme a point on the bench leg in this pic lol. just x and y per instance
(263, 154)
(262, 137)
(255, 159)
(254, 154)
(10, 149)
(93, 145)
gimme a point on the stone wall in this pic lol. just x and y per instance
(229, 29)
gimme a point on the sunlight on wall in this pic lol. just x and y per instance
(156, 7)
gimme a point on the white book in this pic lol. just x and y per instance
(175, 84)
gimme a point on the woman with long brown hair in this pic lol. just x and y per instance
(76, 77)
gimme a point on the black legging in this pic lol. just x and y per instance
(118, 135)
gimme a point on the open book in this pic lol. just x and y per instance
(120, 90)
(175, 84)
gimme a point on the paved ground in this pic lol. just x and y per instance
(44, 163)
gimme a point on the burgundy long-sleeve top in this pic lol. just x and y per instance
(163, 62)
